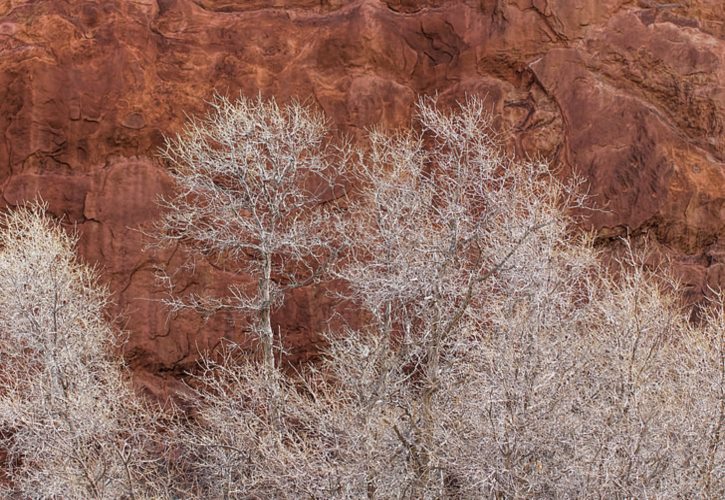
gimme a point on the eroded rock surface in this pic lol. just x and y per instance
(631, 95)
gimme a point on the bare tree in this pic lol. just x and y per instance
(72, 426)
(249, 175)
(444, 219)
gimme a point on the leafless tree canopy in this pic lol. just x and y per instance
(70, 424)
(250, 176)
(497, 356)
(501, 359)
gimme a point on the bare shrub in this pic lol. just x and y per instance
(70, 423)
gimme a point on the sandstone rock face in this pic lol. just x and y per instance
(630, 95)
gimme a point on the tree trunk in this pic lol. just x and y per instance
(266, 337)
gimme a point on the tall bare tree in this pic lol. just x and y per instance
(444, 218)
(249, 176)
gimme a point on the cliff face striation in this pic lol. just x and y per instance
(629, 94)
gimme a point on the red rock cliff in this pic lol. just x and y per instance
(629, 94)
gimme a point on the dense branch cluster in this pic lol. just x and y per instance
(71, 425)
(496, 356)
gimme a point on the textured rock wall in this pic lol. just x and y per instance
(629, 94)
